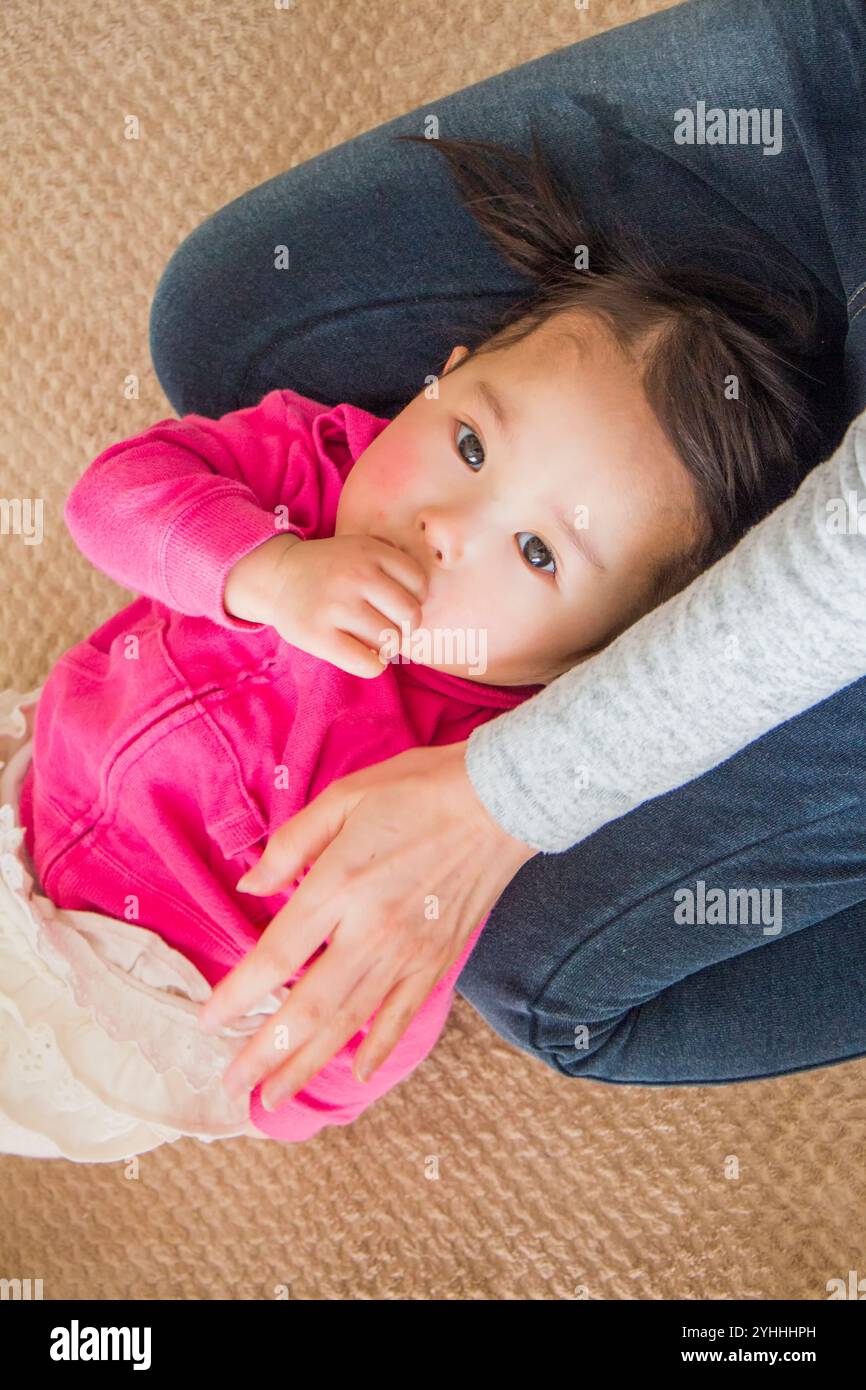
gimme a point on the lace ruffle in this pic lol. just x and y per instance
(129, 989)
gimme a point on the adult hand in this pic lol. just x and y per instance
(379, 841)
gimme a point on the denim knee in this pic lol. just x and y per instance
(197, 361)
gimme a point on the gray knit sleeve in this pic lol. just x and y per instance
(776, 625)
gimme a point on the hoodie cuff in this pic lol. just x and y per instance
(204, 543)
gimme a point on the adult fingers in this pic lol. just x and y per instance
(302, 924)
(325, 1009)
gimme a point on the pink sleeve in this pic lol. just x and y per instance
(334, 1097)
(169, 512)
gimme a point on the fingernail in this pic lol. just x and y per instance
(208, 1023)
(270, 1101)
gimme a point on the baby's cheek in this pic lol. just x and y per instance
(393, 475)
(377, 485)
(474, 617)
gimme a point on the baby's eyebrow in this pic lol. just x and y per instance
(501, 413)
(579, 539)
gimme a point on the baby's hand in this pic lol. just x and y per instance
(335, 598)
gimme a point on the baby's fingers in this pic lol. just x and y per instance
(396, 603)
(354, 655)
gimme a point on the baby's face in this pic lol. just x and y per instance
(539, 533)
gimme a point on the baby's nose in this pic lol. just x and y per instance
(442, 534)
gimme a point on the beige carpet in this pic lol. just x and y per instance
(547, 1188)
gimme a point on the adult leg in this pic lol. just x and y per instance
(383, 264)
(386, 268)
(641, 995)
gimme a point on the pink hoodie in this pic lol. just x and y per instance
(171, 743)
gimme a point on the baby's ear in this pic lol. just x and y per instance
(457, 356)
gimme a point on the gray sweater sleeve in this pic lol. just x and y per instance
(776, 625)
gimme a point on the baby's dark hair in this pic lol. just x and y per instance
(689, 328)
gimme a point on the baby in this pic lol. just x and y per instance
(322, 589)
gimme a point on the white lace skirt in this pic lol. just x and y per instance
(101, 1056)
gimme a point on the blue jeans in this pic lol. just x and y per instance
(582, 964)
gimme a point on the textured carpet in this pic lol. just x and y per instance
(484, 1175)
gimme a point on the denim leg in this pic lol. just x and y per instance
(636, 993)
(387, 272)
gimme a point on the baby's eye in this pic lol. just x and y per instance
(474, 454)
(536, 552)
